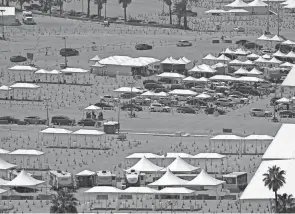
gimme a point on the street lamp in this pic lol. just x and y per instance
(66, 61)
(275, 119)
(47, 110)
(2, 13)
(131, 85)
(267, 27)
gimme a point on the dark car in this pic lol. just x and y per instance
(104, 105)
(131, 106)
(153, 86)
(185, 110)
(62, 120)
(69, 52)
(287, 113)
(177, 86)
(241, 42)
(213, 110)
(18, 59)
(10, 119)
(252, 45)
(87, 122)
(34, 120)
(196, 102)
(143, 47)
(150, 81)
(35, 7)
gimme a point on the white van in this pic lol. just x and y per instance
(156, 107)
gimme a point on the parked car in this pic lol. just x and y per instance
(211, 110)
(87, 122)
(238, 99)
(143, 47)
(183, 43)
(10, 119)
(239, 29)
(107, 98)
(68, 52)
(185, 110)
(18, 58)
(176, 86)
(252, 45)
(287, 113)
(131, 106)
(225, 102)
(256, 112)
(157, 107)
(62, 120)
(241, 42)
(150, 81)
(34, 120)
(104, 105)
(153, 86)
(196, 102)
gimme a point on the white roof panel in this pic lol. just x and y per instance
(290, 78)
(55, 131)
(88, 132)
(8, 11)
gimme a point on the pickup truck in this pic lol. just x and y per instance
(28, 18)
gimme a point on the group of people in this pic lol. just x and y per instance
(92, 115)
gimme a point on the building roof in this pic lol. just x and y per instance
(283, 144)
(290, 79)
(55, 131)
(8, 11)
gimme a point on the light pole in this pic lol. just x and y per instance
(47, 110)
(275, 119)
(66, 61)
(2, 13)
(267, 27)
(131, 85)
(105, 10)
(119, 106)
(278, 18)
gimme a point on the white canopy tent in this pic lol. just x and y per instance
(182, 92)
(204, 179)
(29, 152)
(171, 75)
(146, 155)
(101, 190)
(223, 78)
(86, 172)
(4, 151)
(140, 190)
(178, 154)
(145, 165)
(169, 179)
(291, 54)
(92, 108)
(176, 191)
(237, 4)
(22, 68)
(255, 72)
(88, 132)
(128, 90)
(290, 79)
(55, 131)
(180, 166)
(95, 59)
(250, 79)
(253, 56)
(5, 165)
(24, 180)
(242, 71)
(283, 100)
(25, 91)
(263, 37)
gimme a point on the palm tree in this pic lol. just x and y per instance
(125, 4)
(169, 3)
(99, 6)
(180, 8)
(286, 203)
(274, 179)
(63, 202)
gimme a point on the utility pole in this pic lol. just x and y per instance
(2, 13)
(278, 18)
(119, 106)
(47, 110)
(105, 10)
(267, 27)
(131, 85)
(66, 61)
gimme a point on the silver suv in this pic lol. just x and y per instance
(256, 112)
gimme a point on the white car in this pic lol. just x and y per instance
(107, 98)
(239, 29)
(238, 99)
(157, 107)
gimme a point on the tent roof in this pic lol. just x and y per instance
(219, 65)
(222, 78)
(290, 79)
(178, 154)
(261, 60)
(3, 151)
(2, 182)
(209, 156)
(171, 75)
(181, 61)
(279, 54)
(222, 57)
(5, 88)
(169, 179)
(32, 152)
(215, 11)
(241, 70)
(96, 58)
(55, 131)
(257, 3)
(255, 71)
(274, 61)
(140, 190)
(190, 79)
(97, 65)
(145, 165)
(170, 61)
(92, 107)
(282, 146)
(263, 37)
(251, 79)
(182, 92)
(235, 62)
(24, 180)
(259, 137)
(141, 155)
(104, 189)
(5, 165)
(237, 4)
(287, 64)
(288, 42)
(186, 60)
(74, 70)
(162, 94)
(209, 57)
(237, 11)
(42, 71)
(88, 132)
(22, 68)
(228, 51)
(291, 54)
(226, 137)
(240, 51)
(248, 62)
(256, 190)
(204, 179)
(24, 86)
(202, 69)
(179, 165)
(148, 93)
(139, 62)
(283, 100)
(127, 90)
(253, 56)
(203, 96)
(175, 190)
(277, 38)
(114, 60)
(266, 56)
(86, 172)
